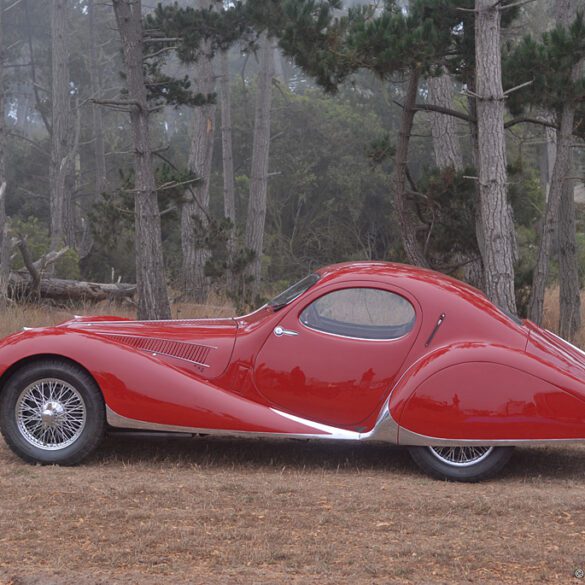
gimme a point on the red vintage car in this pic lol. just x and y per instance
(362, 351)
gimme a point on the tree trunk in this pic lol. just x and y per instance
(446, 144)
(474, 271)
(153, 302)
(101, 181)
(548, 154)
(447, 149)
(536, 307)
(229, 196)
(4, 241)
(496, 219)
(279, 73)
(559, 189)
(61, 130)
(570, 293)
(408, 231)
(260, 159)
(195, 209)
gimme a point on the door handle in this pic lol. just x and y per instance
(280, 331)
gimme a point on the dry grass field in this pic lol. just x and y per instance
(224, 511)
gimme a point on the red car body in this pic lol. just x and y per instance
(465, 372)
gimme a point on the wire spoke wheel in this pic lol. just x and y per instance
(461, 456)
(50, 414)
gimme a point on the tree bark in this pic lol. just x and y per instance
(570, 293)
(260, 159)
(22, 286)
(195, 209)
(229, 196)
(559, 189)
(410, 243)
(446, 145)
(569, 283)
(561, 168)
(447, 149)
(62, 161)
(153, 302)
(496, 219)
(4, 240)
(101, 181)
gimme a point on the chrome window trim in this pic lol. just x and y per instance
(384, 339)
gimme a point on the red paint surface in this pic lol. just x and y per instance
(482, 377)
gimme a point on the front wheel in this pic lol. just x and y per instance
(470, 463)
(52, 412)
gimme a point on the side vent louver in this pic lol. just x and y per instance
(191, 352)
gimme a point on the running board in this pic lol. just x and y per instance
(385, 430)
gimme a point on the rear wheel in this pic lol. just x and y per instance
(52, 412)
(469, 463)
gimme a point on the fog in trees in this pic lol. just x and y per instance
(226, 149)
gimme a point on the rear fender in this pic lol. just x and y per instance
(477, 391)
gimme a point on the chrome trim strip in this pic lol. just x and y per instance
(117, 421)
(385, 340)
(157, 353)
(386, 430)
(412, 439)
(332, 432)
(163, 339)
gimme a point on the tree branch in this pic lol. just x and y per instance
(442, 110)
(517, 87)
(528, 120)
(116, 103)
(514, 4)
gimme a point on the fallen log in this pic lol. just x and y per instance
(21, 285)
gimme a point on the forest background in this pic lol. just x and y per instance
(203, 147)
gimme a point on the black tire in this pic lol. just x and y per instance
(78, 388)
(435, 464)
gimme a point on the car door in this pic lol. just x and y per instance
(335, 354)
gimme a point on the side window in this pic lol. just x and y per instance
(365, 313)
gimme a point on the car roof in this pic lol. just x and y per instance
(398, 274)
(433, 289)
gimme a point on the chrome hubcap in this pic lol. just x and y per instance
(461, 456)
(50, 414)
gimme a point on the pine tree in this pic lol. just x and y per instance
(551, 69)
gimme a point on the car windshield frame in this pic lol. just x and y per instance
(294, 292)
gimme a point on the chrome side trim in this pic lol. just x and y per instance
(155, 353)
(385, 430)
(330, 433)
(412, 439)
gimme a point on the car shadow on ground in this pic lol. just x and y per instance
(563, 461)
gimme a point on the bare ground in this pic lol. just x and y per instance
(190, 511)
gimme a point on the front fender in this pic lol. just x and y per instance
(145, 387)
(478, 391)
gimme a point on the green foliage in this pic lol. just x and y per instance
(37, 239)
(381, 149)
(446, 204)
(68, 266)
(547, 65)
(526, 196)
(36, 235)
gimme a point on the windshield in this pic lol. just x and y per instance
(293, 292)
